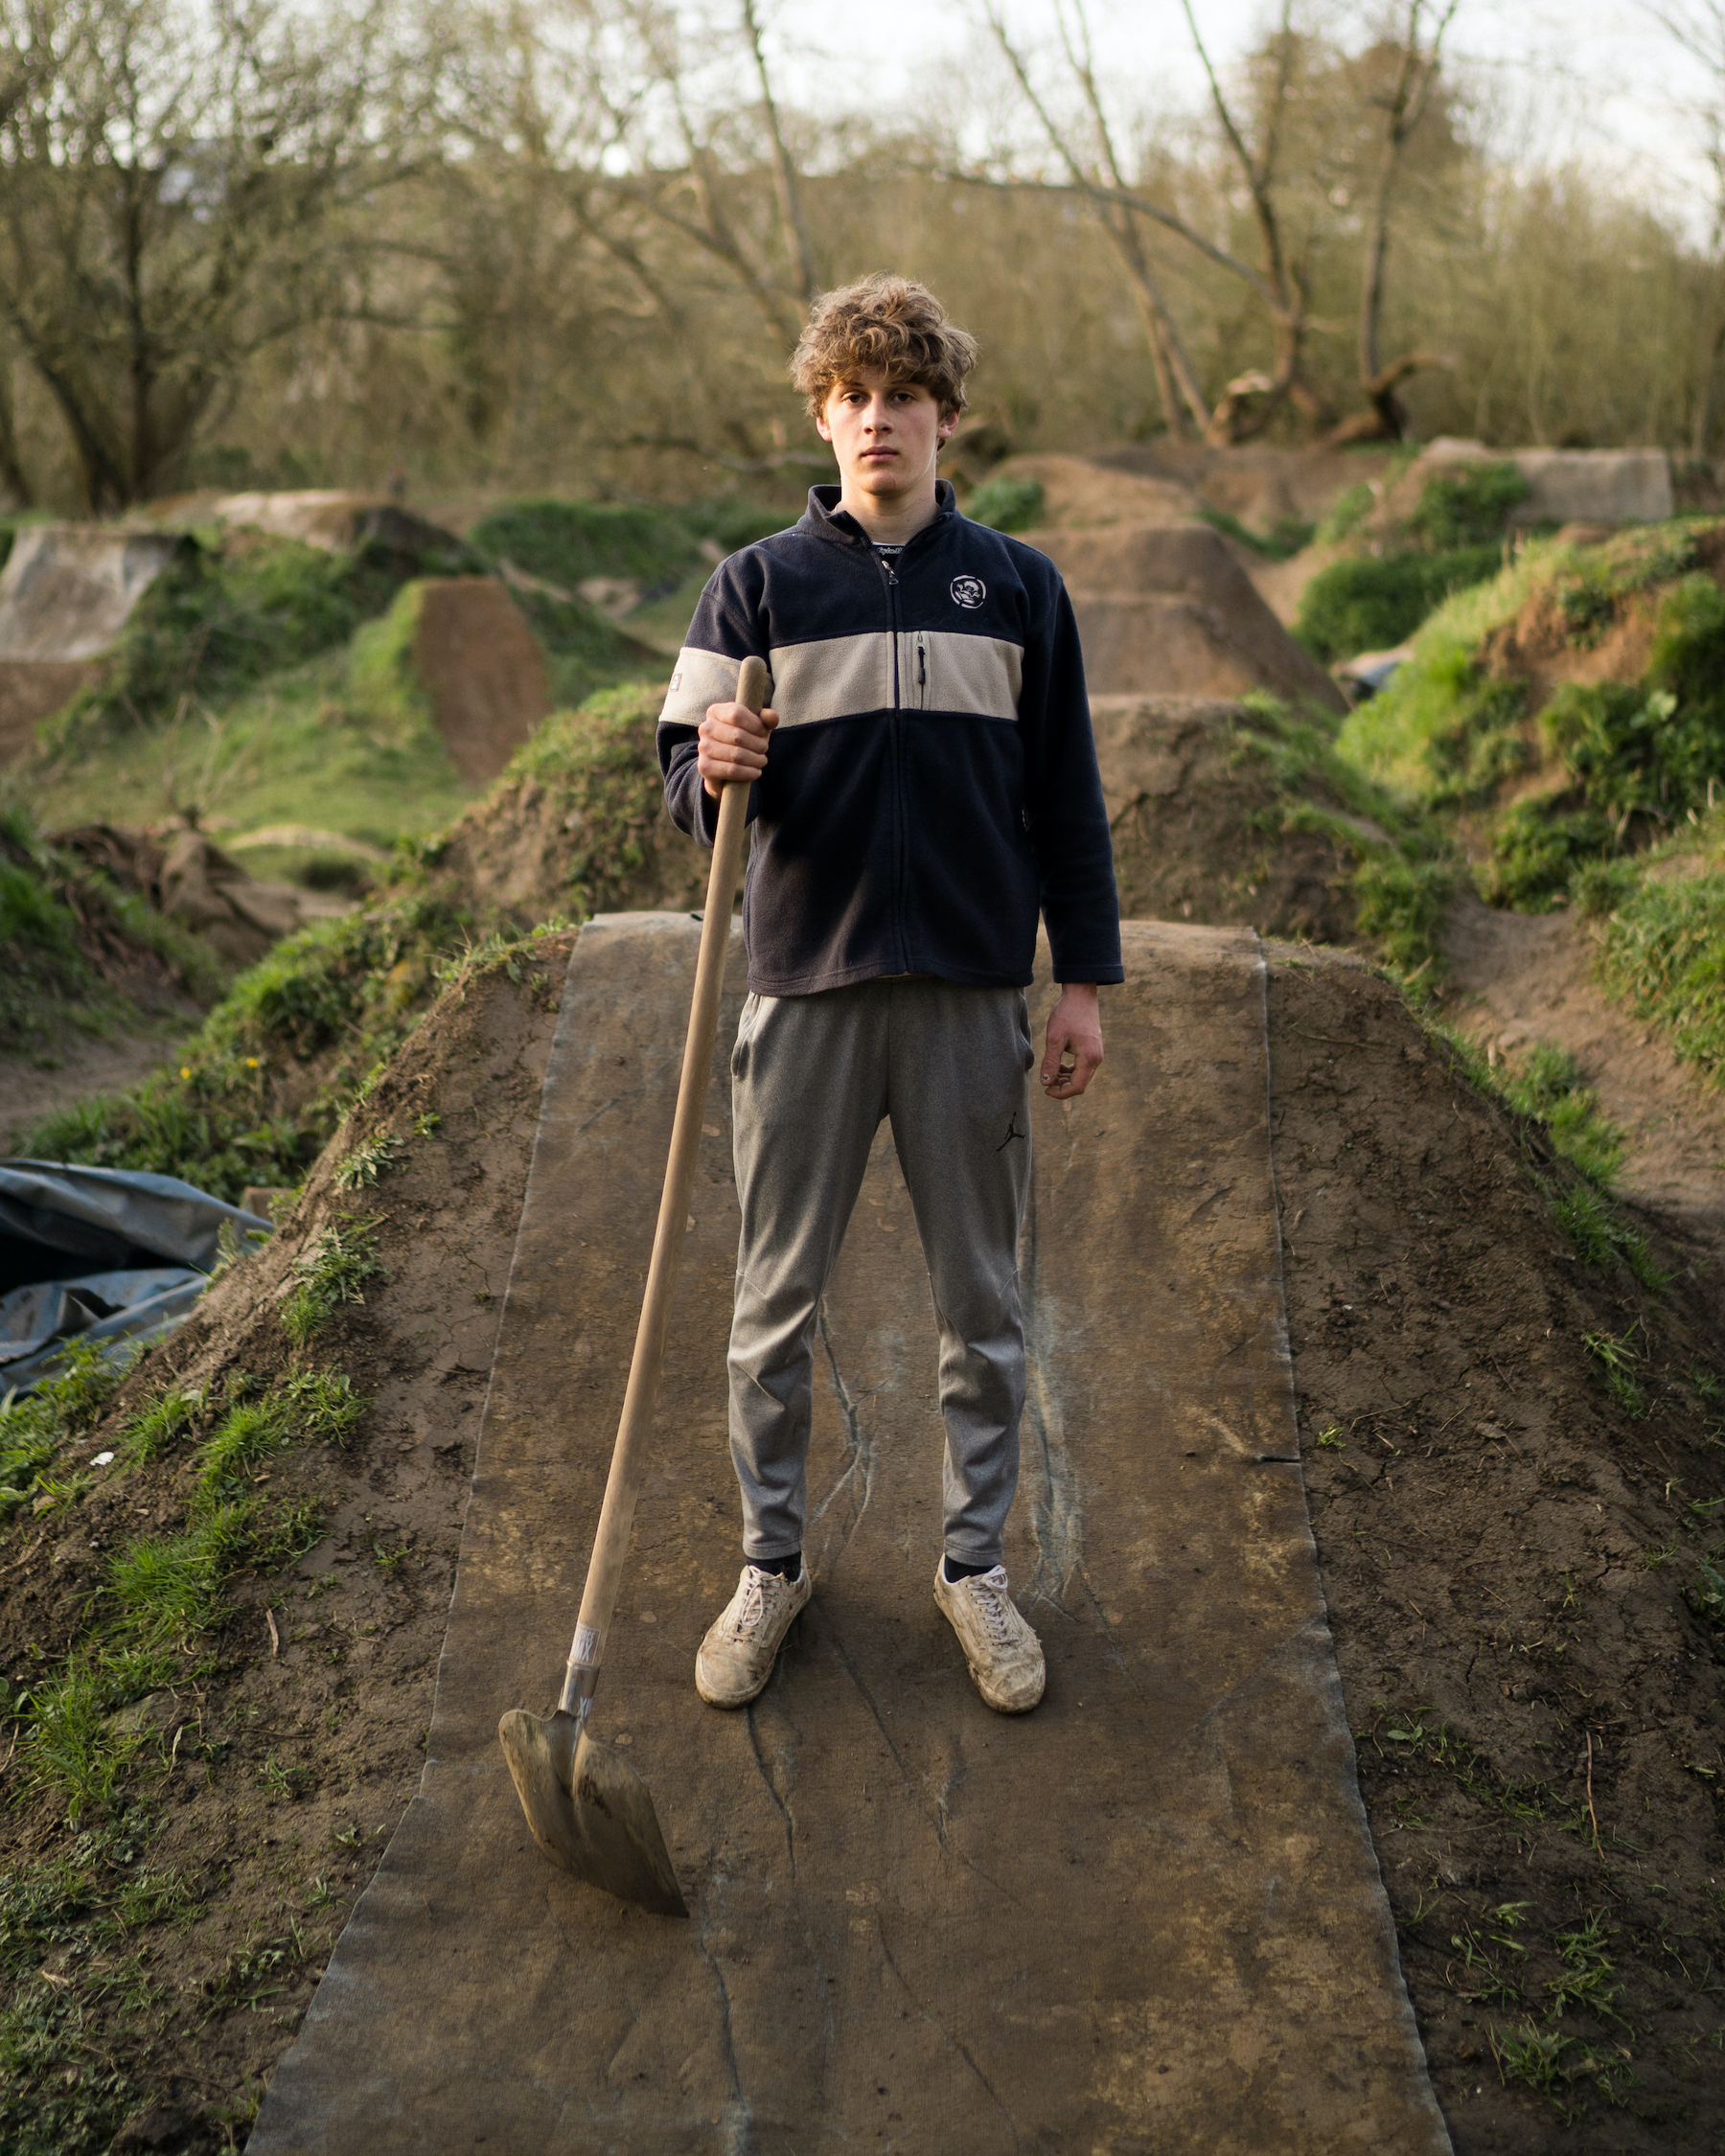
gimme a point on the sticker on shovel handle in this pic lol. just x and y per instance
(584, 1653)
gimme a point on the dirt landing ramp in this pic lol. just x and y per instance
(1146, 1917)
(1164, 609)
(482, 672)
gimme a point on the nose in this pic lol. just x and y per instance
(879, 415)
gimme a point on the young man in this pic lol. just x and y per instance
(923, 784)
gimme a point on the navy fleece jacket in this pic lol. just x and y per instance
(932, 786)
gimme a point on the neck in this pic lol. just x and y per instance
(890, 522)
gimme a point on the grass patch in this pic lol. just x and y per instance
(61, 2093)
(1547, 1083)
(565, 542)
(1007, 503)
(1664, 955)
(1468, 506)
(1617, 1360)
(1402, 871)
(1286, 537)
(161, 1427)
(34, 1431)
(1371, 602)
(229, 610)
(333, 1270)
(266, 1082)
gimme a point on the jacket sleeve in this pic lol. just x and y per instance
(1062, 794)
(730, 626)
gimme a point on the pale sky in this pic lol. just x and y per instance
(1587, 79)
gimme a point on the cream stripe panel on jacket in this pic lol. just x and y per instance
(839, 676)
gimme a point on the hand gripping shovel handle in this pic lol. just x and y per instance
(629, 1459)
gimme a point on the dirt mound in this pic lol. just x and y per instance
(1165, 610)
(1599, 627)
(68, 589)
(275, 1765)
(1263, 487)
(189, 879)
(1516, 1561)
(32, 690)
(481, 669)
(1509, 1554)
(1202, 832)
(1077, 491)
(578, 825)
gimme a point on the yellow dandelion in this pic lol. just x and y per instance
(185, 1070)
(252, 1063)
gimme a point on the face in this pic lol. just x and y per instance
(886, 435)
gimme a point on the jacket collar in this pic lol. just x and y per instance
(824, 516)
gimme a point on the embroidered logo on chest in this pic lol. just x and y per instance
(968, 592)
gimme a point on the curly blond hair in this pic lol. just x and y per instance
(885, 324)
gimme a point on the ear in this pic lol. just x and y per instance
(821, 427)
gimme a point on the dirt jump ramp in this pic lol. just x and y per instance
(1146, 1917)
(1164, 609)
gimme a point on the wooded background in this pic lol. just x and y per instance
(250, 244)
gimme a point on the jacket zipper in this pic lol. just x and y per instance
(894, 723)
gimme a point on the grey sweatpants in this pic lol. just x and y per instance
(812, 1078)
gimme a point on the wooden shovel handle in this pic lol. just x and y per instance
(629, 1458)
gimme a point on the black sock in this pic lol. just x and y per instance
(787, 1568)
(954, 1571)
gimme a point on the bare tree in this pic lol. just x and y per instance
(1248, 403)
(1102, 180)
(1280, 282)
(169, 191)
(1697, 28)
(1403, 102)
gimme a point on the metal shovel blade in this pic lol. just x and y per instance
(589, 1810)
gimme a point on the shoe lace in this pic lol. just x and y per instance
(993, 1602)
(748, 1605)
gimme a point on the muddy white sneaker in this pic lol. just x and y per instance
(1004, 1655)
(736, 1657)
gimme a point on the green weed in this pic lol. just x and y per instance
(333, 1270)
(1600, 1236)
(1346, 515)
(1547, 1083)
(246, 1436)
(165, 1423)
(1617, 1362)
(1706, 1595)
(34, 1431)
(366, 1162)
(324, 1404)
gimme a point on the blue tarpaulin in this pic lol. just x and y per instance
(100, 1254)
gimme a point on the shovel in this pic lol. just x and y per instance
(589, 1810)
